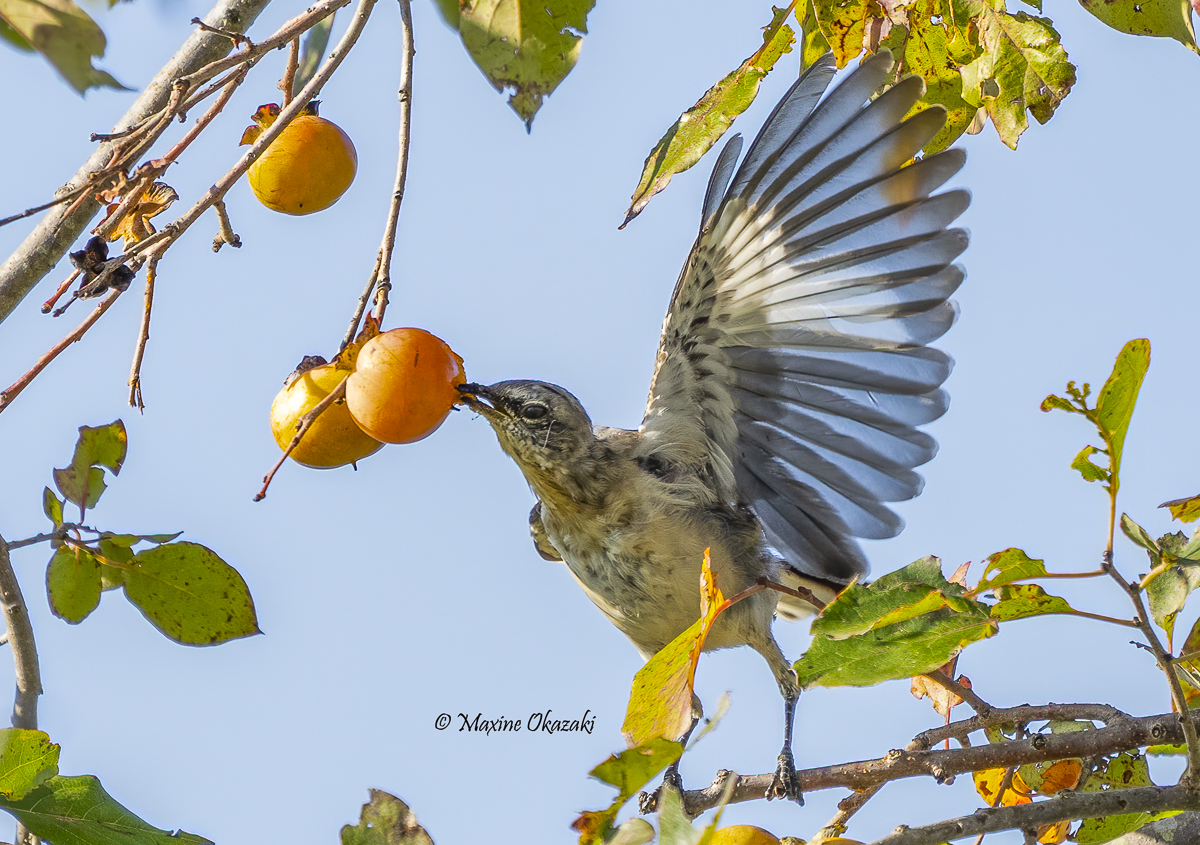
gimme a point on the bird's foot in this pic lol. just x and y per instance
(648, 802)
(786, 783)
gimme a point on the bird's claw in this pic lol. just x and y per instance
(786, 783)
(648, 802)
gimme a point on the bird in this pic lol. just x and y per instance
(792, 375)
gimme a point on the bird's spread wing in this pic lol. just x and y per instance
(793, 367)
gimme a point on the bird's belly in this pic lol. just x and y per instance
(648, 582)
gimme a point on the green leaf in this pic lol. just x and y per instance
(812, 43)
(1114, 406)
(1185, 510)
(1090, 471)
(27, 760)
(1167, 593)
(842, 24)
(935, 50)
(674, 826)
(82, 481)
(53, 508)
(191, 595)
(77, 811)
(73, 583)
(633, 768)
(1139, 535)
(116, 548)
(1124, 771)
(316, 40)
(1022, 67)
(1008, 566)
(868, 633)
(1018, 601)
(1158, 18)
(14, 38)
(526, 46)
(65, 35)
(1052, 402)
(385, 820)
(703, 124)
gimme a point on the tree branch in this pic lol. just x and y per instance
(25, 659)
(49, 241)
(381, 278)
(1121, 733)
(1067, 805)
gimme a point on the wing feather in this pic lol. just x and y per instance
(793, 368)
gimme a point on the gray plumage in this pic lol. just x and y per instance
(792, 373)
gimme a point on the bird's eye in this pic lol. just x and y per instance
(534, 411)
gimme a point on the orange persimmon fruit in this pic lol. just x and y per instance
(403, 385)
(307, 168)
(743, 834)
(333, 440)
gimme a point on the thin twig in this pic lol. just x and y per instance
(302, 428)
(289, 72)
(135, 370)
(7, 395)
(968, 695)
(29, 212)
(1191, 778)
(1066, 806)
(63, 288)
(225, 233)
(25, 658)
(380, 282)
(237, 38)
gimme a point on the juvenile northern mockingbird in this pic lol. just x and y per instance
(791, 375)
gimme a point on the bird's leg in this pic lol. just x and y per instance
(786, 784)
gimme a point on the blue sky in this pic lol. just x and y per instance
(410, 588)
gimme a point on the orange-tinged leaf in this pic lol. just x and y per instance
(1062, 775)
(960, 575)
(660, 703)
(1185, 510)
(1052, 834)
(988, 783)
(135, 225)
(942, 699)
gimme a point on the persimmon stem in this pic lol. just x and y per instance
(380, 283)
(289, 74)
(302, 428)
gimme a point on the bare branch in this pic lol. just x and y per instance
(10, 393)
(1192, 776)
(59, 229)
(135, 369)
(25, 658)
(381, 278)
(1067, 805)
(1121, 733)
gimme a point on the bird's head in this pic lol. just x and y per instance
(541, 426)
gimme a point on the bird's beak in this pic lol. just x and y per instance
(476, 397)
